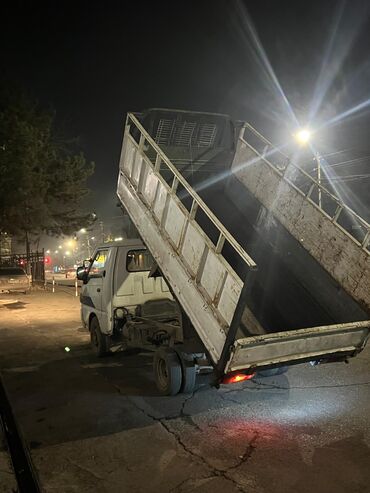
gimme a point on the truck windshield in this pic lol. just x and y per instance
(98, 265)
(138, 261)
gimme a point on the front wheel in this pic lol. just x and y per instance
(99, 341)
(167, 371)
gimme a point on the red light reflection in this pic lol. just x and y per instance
(237, 377)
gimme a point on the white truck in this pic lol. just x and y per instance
(245, 262)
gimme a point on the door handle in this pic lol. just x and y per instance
(98, 290)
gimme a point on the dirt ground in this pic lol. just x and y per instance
(99, 424)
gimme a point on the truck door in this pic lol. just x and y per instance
(96, 278)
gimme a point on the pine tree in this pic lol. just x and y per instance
(42, 179)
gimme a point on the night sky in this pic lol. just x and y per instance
(94, 61)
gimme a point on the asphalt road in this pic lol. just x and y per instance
(99, 425)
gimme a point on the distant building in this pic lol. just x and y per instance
(5, 244)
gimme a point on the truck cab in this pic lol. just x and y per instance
(117, 287)
(127, 304)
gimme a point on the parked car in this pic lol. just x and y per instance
(14, 279)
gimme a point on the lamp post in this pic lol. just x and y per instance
(66, 254)
(87, 237)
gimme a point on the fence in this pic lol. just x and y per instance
(33, 264)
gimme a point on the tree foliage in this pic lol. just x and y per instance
(42, 179)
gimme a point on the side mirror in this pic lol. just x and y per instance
(81, 273)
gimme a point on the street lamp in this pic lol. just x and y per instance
(303, 137)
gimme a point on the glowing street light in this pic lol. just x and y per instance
(56, 252)
(303, 136)
(83, 230)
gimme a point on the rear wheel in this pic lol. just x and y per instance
(99, 341)
(167, 371)
(189, 374)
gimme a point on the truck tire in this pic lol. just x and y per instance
(189, 372)
(99, 341)
(272, 372)
(189, 375)
(167, 371)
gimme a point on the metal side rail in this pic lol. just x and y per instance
(296, 346)
(207, 287)
(337, 237)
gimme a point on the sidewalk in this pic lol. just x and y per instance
(38, 327)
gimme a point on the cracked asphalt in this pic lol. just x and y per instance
(99, 424)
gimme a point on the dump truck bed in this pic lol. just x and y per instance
(210, 272)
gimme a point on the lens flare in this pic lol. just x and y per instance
(303, 136)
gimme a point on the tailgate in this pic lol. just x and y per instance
(300, 345)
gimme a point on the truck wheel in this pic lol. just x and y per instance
(188, 379)
(167, 371)
(272, 372)
(99, 341)
(189, 374)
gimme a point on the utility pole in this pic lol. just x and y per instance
(318, 161)
(88, 245)
(28, 254)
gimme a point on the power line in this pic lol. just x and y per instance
(350, 162)
(348, 177)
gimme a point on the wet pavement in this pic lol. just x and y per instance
(99, 424)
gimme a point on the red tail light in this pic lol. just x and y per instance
(237, 377)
